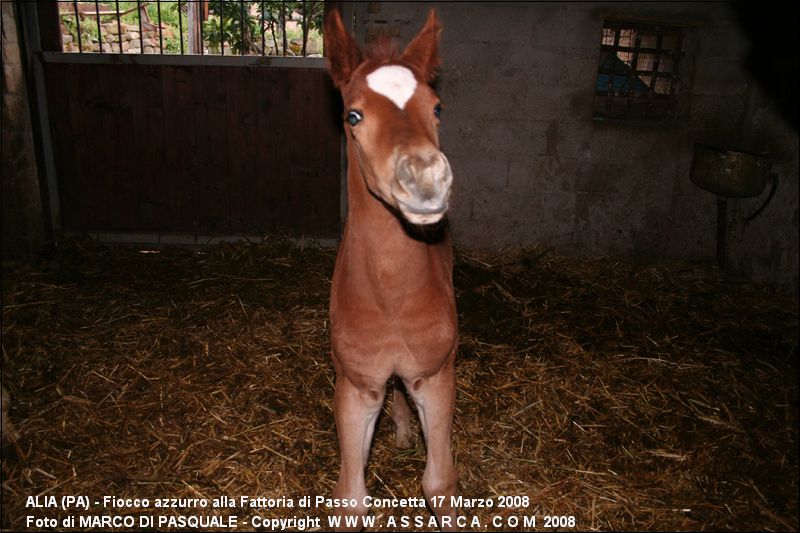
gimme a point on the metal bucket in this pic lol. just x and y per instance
(728, 172)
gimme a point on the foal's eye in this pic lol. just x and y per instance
(354, 117)
(437, 110)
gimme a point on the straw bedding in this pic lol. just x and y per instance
(650, 397)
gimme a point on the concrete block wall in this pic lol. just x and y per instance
(533, 168)
(22, 216)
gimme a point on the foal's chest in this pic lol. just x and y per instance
(412, 336)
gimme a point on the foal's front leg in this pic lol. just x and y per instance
(435, 400)
(355, 410)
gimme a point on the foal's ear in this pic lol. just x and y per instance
(341, 49)
(423, 51)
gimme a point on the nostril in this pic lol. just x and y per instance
(405, 172)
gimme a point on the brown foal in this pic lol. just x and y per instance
(392, 304)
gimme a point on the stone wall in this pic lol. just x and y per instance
(132, 40)
(533, 168)
(23, 228)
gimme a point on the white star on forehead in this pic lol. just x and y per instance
(395, 82)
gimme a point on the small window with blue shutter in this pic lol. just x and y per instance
(638, 74)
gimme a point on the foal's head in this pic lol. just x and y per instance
(392, 119)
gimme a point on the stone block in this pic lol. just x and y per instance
(719, 76)
(716, 112)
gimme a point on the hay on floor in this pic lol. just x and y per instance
(656, 397)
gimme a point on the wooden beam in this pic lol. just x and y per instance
(49, 26)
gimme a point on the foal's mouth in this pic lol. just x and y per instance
(422, 215)
(423, 209)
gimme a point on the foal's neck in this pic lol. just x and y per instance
(371, 221)
(377, 235)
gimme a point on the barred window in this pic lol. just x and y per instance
(203, 27)
(638, 74)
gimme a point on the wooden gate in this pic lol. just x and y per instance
(196, 145)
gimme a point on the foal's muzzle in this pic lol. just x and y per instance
(422, 186)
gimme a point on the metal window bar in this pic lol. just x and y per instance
(275, 18)
(99, 33)
(160, 29)
(305, 29)
(263, 32)
(283, 27)
(632, 75)
(676, 57)
(656, 62)
(610, 90)
(180, 26)
(141, 33)
(119, 26)
(78, 26)
(202, 37)
(241, 27)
